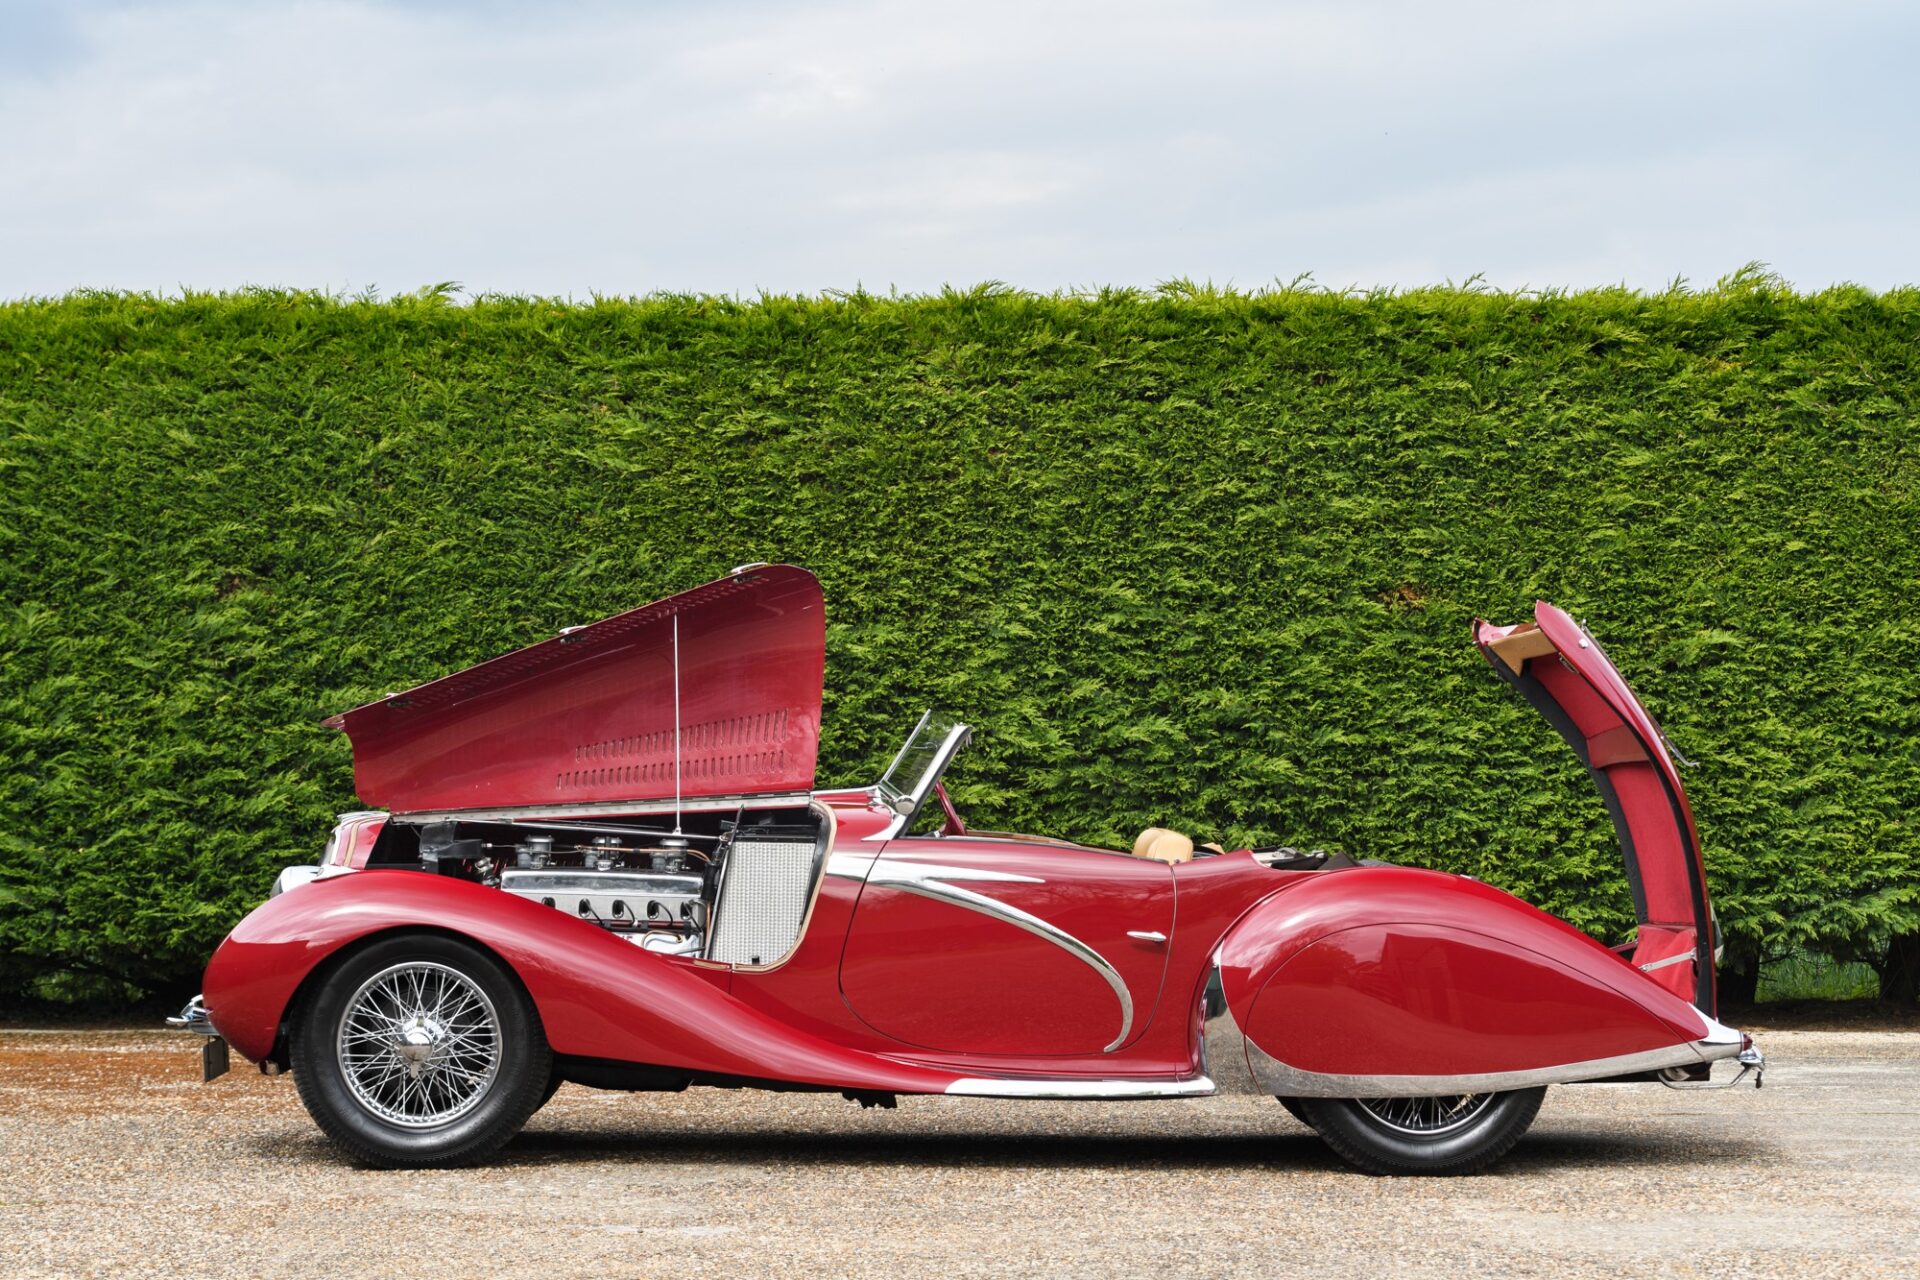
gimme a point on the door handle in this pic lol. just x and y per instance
(1147, 935)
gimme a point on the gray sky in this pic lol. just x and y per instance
(730, 148)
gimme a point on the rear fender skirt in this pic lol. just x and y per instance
(1416, 980)
(598, 996)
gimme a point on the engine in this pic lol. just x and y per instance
(645, 884)
(734, 889)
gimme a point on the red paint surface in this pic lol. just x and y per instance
(1383, 970)
(1623, 741)
(597, 996)
(1396, 971)
(589, 716)
(936, 976)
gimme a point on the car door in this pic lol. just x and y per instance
(999, 947)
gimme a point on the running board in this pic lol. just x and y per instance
(1083, 1089)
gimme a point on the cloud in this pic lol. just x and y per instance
(630, 148)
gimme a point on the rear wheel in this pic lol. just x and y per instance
(1454, 1134)
(420, 1051)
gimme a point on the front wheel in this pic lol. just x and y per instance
(1455, 1134)
(420, 1052)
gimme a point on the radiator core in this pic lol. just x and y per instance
(762, 905)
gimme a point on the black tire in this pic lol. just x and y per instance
(1293, 1109)
(443, 1063)
(1447, 1136)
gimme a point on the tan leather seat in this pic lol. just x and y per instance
(1163, 845)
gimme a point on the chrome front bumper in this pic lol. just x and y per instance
(213, 1052)
(194, 1018)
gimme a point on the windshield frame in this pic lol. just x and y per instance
(910, 800)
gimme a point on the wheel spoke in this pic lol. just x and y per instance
(1426, 1117)
(419, 1044)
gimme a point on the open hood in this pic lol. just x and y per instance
(1558, 667)
(713, 692)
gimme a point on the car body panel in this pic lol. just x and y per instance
(947, 926)
(597, 995)
(1561, 669)
(712, 692)
(1394, 971)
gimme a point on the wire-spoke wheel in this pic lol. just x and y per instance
(1427, 1117)
(419, 1050)
(419, 1044)
(1448, 1134)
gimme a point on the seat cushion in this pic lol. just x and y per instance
(1163, 845)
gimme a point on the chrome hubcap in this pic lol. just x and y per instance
(1426, 1117)
(419, 1044)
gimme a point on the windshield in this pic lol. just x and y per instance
(932, 744)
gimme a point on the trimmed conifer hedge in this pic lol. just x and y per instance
(1191, 558)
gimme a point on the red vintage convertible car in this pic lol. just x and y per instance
(602, 859)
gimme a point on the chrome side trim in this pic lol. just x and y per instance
(930, 880)
(1223, 1046)
(293, 878)
(1112, 1090)
(1282, 1080)
(850, 866)
(1682, 958)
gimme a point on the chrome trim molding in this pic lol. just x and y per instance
(1720, 1035)
(295, 877)
(1238, 1065)
(1112, 1090)
(1223, 1046)
(850, 866)
(1282, 1080)
(930, 880)
(1682, 958)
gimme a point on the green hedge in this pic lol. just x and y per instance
(1193, 558)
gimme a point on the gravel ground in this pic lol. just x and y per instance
(118, 1162)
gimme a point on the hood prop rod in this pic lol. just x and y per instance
(676, 723)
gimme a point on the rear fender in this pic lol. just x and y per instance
(597, 995)
(1391, 981)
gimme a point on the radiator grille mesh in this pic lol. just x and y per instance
(763, 900)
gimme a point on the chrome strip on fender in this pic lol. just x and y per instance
(1241, 1066)
(930, 880)
(1223, 1046)
(1284, 1081)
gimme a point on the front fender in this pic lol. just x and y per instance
(597, 995)
(1385, 980)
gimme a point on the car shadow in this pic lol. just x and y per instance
(728, 1146)
(1288, 1149)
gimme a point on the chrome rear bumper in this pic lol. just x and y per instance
(1752, 1063)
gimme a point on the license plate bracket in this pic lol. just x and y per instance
(213, 1059)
